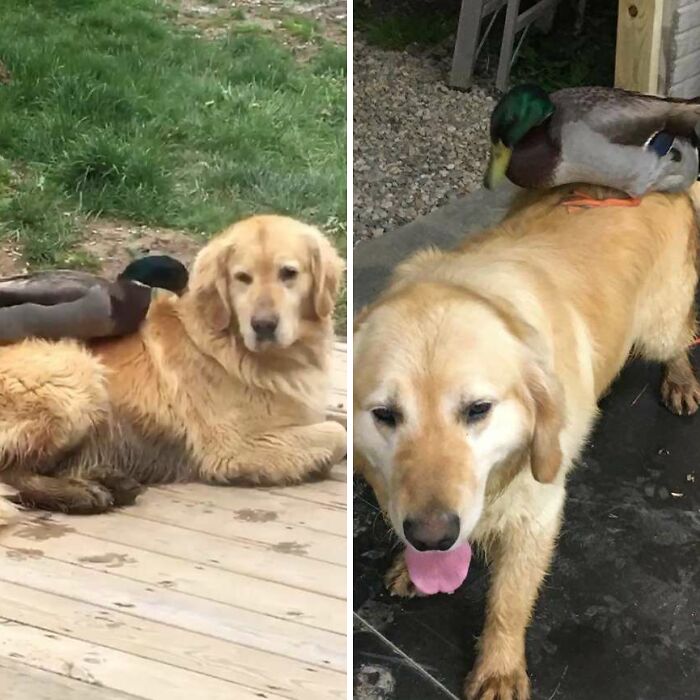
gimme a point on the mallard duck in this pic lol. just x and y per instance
(72, 304)
(601, 136)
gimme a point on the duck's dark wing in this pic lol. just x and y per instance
(46, 288)
(626, 118)
(82, 319)
(101, 311)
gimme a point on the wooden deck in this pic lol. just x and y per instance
(197, 592)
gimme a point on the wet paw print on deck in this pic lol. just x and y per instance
(296, 548)
(22, 554)
(112, 560)
(255, 515)
(43, 528)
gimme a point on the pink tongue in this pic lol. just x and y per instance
(438, 572)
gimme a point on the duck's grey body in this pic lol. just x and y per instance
(82, 319)
(69, 304)
(601, 135)
(47, 288)
(588, 157)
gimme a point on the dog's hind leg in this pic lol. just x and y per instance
(667, 322)
(52, 396)
(680, 389)
(666, 331)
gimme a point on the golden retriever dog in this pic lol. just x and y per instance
(477, 376)
(225, 384)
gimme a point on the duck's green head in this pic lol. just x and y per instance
(519, 110)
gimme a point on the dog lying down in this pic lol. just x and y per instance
(477, 375)
(225, 384)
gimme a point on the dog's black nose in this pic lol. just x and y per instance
(435, 531)
(265, 327)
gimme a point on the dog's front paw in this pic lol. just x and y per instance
(482, 685)
(681, 398)
(339, 441)
(397, 580)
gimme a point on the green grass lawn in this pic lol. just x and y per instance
(113, 109)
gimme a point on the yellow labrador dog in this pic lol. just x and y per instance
(477, 375)
(227, 383)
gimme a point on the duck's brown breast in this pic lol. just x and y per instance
(534, 160)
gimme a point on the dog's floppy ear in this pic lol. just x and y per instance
(326, 270)
(548, 400)
(546, 397)
(209, 284)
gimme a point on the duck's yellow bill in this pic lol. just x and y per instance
(498, 165)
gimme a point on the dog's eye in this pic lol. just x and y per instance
(386, 415)
(288, 273)
(243, 277)
(476, 411)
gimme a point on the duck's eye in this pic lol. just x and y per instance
(386, 415)
(675, 155)
(243, 277)
(476, 411)
(288, 273)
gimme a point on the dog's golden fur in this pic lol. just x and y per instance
(537, 316)
(193, 394)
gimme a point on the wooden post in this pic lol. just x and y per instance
(638, 44)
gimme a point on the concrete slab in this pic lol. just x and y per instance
(374, 260)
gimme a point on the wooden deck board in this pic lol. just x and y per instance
(103, 666)
(196, 591)
(275, 536)
(123, 631)
(19, 682)
(256, 506)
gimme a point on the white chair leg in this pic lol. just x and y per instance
(465, 44)
(507, 42)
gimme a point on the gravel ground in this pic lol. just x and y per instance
(417, 143)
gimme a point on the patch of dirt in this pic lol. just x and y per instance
(114, 244)
(11, 262)
(215, 18)
(5, 77)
